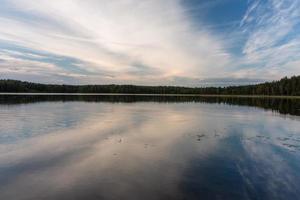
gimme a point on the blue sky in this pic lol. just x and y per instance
(150, 42)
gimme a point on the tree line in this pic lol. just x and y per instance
(285, 86)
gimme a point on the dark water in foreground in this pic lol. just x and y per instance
(112, 147)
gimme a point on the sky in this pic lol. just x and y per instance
(149, 42)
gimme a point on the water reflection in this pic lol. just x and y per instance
(282, 105)
(145, 150)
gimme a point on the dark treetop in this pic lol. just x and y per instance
(285, 86)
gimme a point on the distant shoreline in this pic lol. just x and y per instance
(130, 94)
(284, 88)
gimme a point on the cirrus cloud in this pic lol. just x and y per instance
(148, 42)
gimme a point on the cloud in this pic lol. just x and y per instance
(273, 40)
(28, 66)
(113, 36)
(12, 64)
(150, 42)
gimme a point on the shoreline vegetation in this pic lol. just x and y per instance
(284, 88)
(166, 95)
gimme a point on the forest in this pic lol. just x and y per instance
(284, 87)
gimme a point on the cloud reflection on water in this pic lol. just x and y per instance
(146, 150)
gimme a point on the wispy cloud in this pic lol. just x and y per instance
(114, 35)
(147, 42)
(273, 42)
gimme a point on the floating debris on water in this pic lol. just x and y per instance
(282, 139)
(216, 134)
(199, 137)
(291, 145)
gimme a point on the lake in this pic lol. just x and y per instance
(75, 147)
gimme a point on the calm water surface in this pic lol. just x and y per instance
(106, 148)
